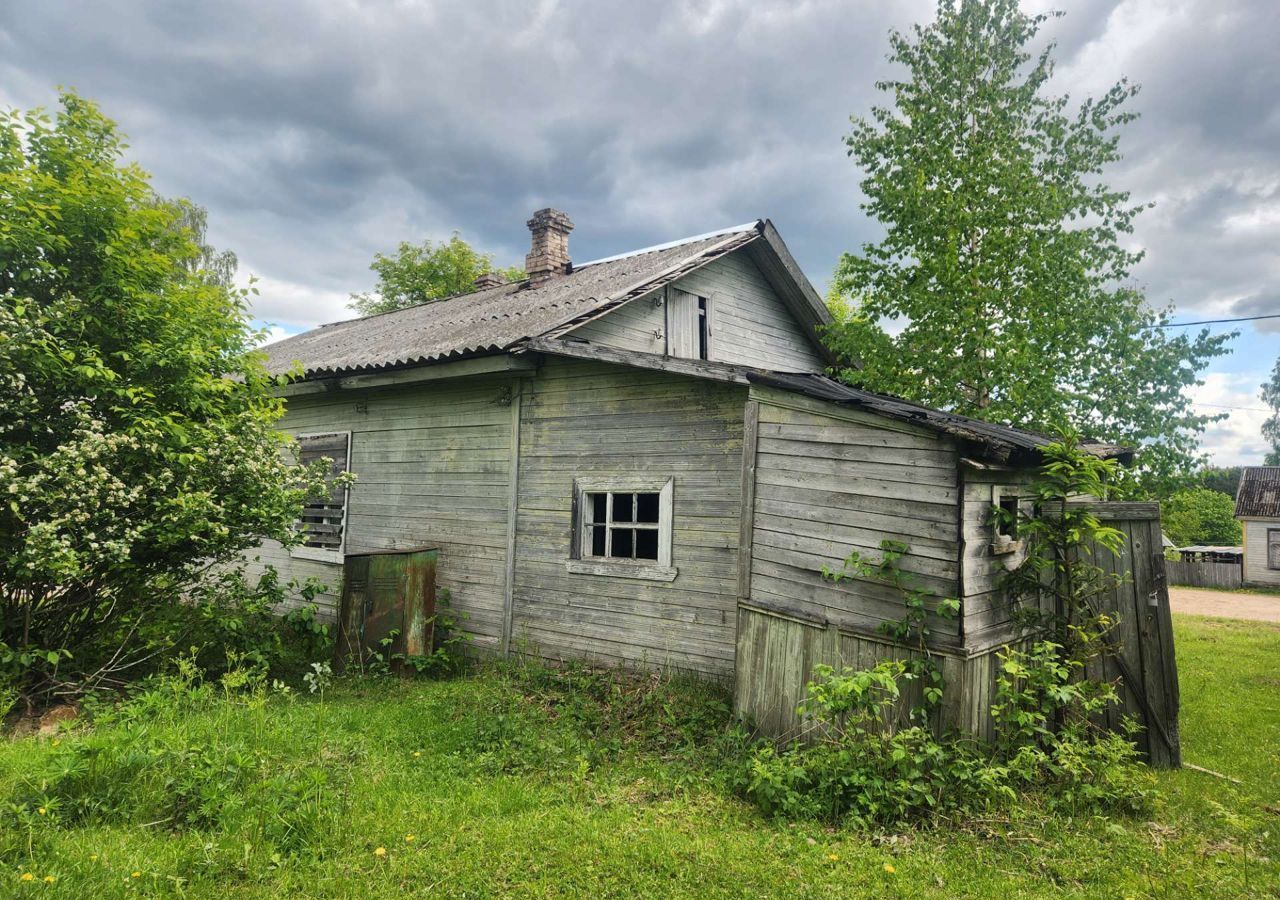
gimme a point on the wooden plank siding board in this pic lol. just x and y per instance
(750, 324)
(642, 425)
(1256, 568)
(830, 480)
(433, 467)
(777, 655)
(988, 614)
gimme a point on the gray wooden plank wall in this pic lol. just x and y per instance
(831, 480)
(988, 615)
(751, 324)
(584, 419)
(433, 466)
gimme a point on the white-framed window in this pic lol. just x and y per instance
(689, 323)
(622, 527)
(1273, 548)
(323, 521)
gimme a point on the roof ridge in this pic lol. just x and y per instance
(671, 245)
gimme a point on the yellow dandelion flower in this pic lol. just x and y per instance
(832, 857)
(409, 839)
(417, 753)
(27, 876)
(93, 857)
(890, 869)
(135, 874)
(380, 852)
(42, 810)
(49, 879)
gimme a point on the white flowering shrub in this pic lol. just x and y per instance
(137, 439)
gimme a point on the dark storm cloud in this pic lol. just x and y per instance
(318, 132)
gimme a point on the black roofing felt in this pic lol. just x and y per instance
(1001, 441)
(1259, 493)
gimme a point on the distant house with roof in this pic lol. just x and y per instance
(628, 459)
(1258, 509)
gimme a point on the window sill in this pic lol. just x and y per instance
(622, 570)
(334, 557)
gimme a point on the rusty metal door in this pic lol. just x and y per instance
(388, 605)
(1141, 659)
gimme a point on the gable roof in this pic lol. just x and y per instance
(500, 318)
(1259, 493)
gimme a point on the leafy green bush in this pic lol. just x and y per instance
(866, 770)
(137, 423)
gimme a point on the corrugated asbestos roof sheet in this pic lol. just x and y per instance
(1000, 441)
(494, 319)
(1259, 493)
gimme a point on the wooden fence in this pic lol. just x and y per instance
(1205, 574)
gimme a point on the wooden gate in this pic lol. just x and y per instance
(1141, 660)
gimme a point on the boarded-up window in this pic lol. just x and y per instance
(1273, 548)
(688, 324)
(628, 522)
(324, 518)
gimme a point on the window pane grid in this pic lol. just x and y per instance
(622, 525)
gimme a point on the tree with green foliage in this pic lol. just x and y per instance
(1225, 479)
(1271, 428)
(420, 273)
(137, 438)
(1200, 516)
(1002, 287)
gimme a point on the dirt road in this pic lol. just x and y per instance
(1204, 602)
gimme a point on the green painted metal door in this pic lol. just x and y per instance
(388, 605)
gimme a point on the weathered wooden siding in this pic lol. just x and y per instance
(1223, 575)
(987, 612)
(829, 480)
(1255, 553)
(750, 323)
(593, 420)
(777, 655)
(432, 463)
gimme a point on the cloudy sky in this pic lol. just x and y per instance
(318, 132)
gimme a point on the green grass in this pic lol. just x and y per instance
(513, 790)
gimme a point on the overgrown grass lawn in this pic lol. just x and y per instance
(493, 785)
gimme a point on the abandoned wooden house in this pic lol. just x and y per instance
(639, 461)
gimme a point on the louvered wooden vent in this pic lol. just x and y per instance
(322, 517)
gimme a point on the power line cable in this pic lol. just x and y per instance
(1211, 321)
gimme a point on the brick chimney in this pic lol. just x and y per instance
(549, 252)
(489, 280)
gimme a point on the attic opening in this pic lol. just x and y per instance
(689, 325)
